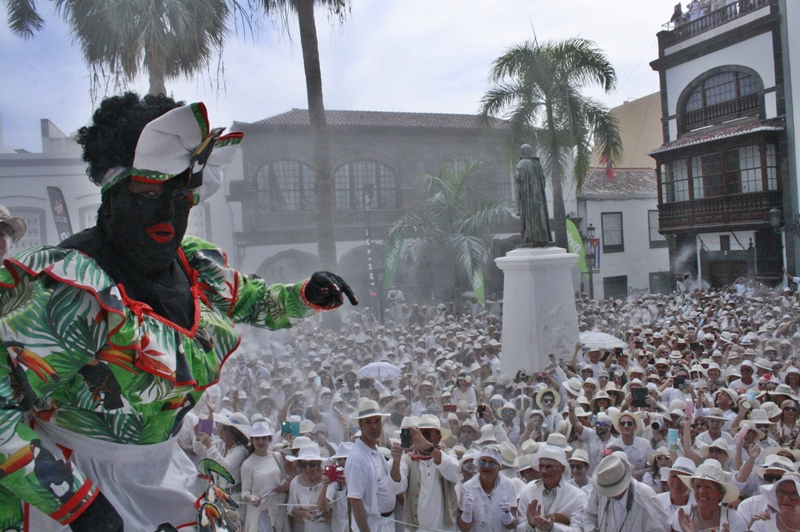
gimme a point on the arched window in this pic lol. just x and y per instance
(285, 186)
(349, 181)
(721, 97)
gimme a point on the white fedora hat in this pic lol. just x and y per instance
(429, 421)
(369, 408)
(612, 476)
(308, 453)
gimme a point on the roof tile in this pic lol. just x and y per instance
(628, 183)
(715, 133)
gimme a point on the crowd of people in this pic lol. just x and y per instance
(688, 423)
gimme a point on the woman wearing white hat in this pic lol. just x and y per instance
(230, 451)
(488, 500)
(785, 498)
(711, 491)
(264, 483)
(335, 492)
(305, 489)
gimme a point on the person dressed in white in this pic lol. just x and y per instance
(335, 496)
(710, 493)
(370, 489)
(679, 493)
(428, 477)
(305, 489)
(488, 499)
(635, 448)
(230, 451)
(596, 439)
(621, 504)
(264, 483)
(550, 495)
(785, 498)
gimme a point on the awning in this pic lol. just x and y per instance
(716, 133)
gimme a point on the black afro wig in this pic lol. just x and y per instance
(110, 140)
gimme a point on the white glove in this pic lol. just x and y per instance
(467, 502)
(505, 508)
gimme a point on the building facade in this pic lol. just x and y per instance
(728, 153)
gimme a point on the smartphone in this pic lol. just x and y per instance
(449, 408)
(295, 428)
(405, 438)
(205, 425)
(639, 397)
(618, 350)
(286, 427)
(679, 383)
(481, 410)
(363, 384)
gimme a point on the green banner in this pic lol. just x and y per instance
(477, 286)
(575, 244)
(393, 248)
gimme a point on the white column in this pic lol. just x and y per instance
(539, 315)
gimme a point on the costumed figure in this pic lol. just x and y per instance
(105, 338)
(531, 200)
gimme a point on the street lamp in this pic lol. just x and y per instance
(775, 222)
(588, 250)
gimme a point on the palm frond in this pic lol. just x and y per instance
(488, 215)
(23, 19)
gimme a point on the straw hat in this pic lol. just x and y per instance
(308, 453)
(553, 453)
(712, 470)
(574, 386)
(369, 408)
(558, 440)
(509, 453)
(16, 223)
(236, 420)
(612, 476)
(625, 413)
(579, 456)
(342, 450)
(715, 413)
(487, 436)
(541, 394)
(429, 421)
(261, 429)
(683, 466)
(775, 463)
(719, 443)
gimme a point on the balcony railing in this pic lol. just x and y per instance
(721, 16)
(743, 106)
(740, 211)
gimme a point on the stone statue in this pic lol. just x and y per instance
(531, 200)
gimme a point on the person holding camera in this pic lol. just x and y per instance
(428, 477)
(333, 496)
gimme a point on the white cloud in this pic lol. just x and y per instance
(390, 55)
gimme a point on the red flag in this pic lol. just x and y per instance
(609, 169)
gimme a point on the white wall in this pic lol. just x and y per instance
(755, 53)
(638, 260)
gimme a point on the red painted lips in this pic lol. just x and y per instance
(161, 233)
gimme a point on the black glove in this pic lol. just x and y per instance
(100, 516)
(325, 290)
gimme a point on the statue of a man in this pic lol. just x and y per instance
(531, 200)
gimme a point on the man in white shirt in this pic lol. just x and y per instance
(596, 439)
(370, 489)
(551, 494)
(628, 425)
(428, 477)
(621, 504)
(679, 493)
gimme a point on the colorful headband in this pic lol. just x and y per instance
(177, 140)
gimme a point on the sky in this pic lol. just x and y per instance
(389, 55)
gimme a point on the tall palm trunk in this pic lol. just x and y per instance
(156, 70)
(323, 180)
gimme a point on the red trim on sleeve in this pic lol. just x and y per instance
(308, 303)
(74, 502)
(82, 509)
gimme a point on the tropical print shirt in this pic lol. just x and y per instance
(76, 352)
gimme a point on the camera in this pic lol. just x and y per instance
(334, 472)
(481, 410)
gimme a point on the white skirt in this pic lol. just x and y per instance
(147, 484)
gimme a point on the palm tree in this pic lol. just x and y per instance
(323, 177)
(456, 224)
(122, 38)
(538, 86)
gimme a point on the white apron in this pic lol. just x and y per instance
(147, 484)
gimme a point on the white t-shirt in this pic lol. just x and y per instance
(486, 516)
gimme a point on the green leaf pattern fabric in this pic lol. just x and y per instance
(75, 352)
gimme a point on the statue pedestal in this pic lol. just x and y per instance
(539, 315)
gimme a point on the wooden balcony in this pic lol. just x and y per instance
(737, 108)
(719, 213)
(705, 23)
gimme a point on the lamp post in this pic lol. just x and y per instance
(775, 223)
(588, 250)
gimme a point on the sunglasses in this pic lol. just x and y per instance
(768, 477)
(788, 409)
(602, 424)
(307, 465)
(627, 424)
(662, 458)
(548, 401)
(487, 464)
